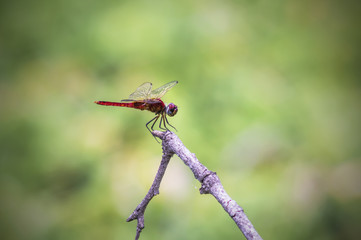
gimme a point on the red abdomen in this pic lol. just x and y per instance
(117, 104)
(153, 105)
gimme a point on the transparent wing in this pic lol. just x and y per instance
(141, 93)
(159, 92)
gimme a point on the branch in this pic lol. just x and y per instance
(138, 213)
(209, 180)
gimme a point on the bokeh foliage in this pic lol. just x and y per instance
(268, 97)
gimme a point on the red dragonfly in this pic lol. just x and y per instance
(145, 99)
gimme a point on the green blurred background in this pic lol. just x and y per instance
(268, 97)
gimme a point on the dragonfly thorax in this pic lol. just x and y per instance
(171, 109)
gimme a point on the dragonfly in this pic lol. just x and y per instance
(145, 99)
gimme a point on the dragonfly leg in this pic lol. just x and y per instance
(162, 121)
(155, 120)
(166, 120)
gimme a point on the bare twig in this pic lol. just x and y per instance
(209, 180)
(138, 213)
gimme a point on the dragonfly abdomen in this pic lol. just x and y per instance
(152, 106)
(116, 104)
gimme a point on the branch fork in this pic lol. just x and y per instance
(210, 184)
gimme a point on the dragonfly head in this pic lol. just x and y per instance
(171, 109)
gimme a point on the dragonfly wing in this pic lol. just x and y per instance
(159, 92)
(142, 92)
(128, 100)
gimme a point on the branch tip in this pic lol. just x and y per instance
(158, 134)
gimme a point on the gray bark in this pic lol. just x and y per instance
(211, 184)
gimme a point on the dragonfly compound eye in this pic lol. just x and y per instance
(171, 109)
